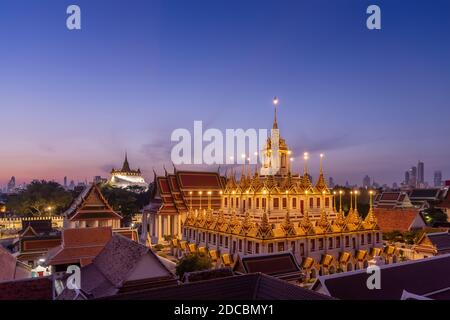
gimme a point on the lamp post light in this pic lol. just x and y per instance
(351, 201)
(200, 194)
(356, 200)
(371, 199)
(209, 200)
(340, 200)
(334, 201)
(190, 200)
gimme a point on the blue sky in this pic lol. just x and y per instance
(72, 102)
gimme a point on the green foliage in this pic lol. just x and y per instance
(408, 237)
(40, 198)
(126, 201)
(434, 215)
(193, 262)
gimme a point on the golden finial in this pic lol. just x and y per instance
(275, 103)
(305, 157)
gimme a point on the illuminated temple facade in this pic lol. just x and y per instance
(126, 177)
(271, 210)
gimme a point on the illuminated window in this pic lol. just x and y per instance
(327, 202)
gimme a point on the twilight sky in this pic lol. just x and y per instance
(72, 102)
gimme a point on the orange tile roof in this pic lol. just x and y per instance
(79, 246)
(395, 219)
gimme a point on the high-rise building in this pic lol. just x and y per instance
(11, 184)
(65, 182)
(407, 178)
(420, 173)
(331, 182)
(366, 182)
(438, 178)
(413, 176)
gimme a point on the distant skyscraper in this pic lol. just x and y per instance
(420, 173)
(72, 185)
(413, 176)
(65, 182)
(366, 182)
(11, 184)
(331, 182)
(438, 178)
(407, 177)
(395, 185)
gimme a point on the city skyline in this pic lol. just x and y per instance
(345, 91)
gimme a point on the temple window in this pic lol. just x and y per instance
(280, 246)
(226, 202)
(249, 203)
(232, 202)
(240, 245)
(221, 240)
(378, 237)
(214, 239)
(249, 247)
(347, 241)
(330, 243)
(302, 249)
(226, 242)
(302, 205)
(270, 248)
(293, 246)
(311, 202)
(264, 203)
(284, 203)
(276, 203)
(313, 244)
(369, 238)
(209, 237)
(338, 242)
(318, 202)
(294, 203)
(320, 243)
(256, 247)
(327, 202)
(237, 202)
(257, 203)
(362, 239)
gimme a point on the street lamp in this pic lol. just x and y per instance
(340, 200)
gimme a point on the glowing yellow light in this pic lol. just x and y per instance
(275, 100)
(256, 153)
(323, 192)
(190, 192)
(221, 192)
(264, 191)
(209, 192)
(234, 192)
(200, 192)
(305, 156)
(292, 159)
(243, 156)
(289, 152)
(341, 192)
(334, 192)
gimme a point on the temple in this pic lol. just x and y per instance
(126, 177)
(269, 211)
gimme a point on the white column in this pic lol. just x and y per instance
(159, 235)
(169, 226)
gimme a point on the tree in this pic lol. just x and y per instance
(193, 262)
(433, 215)
(126, 201)
(40, 198)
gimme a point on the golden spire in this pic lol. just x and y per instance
(323, 221)
(371, 219)
(287, 225)
(321, 184)
(264, 228)
(275, 103)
